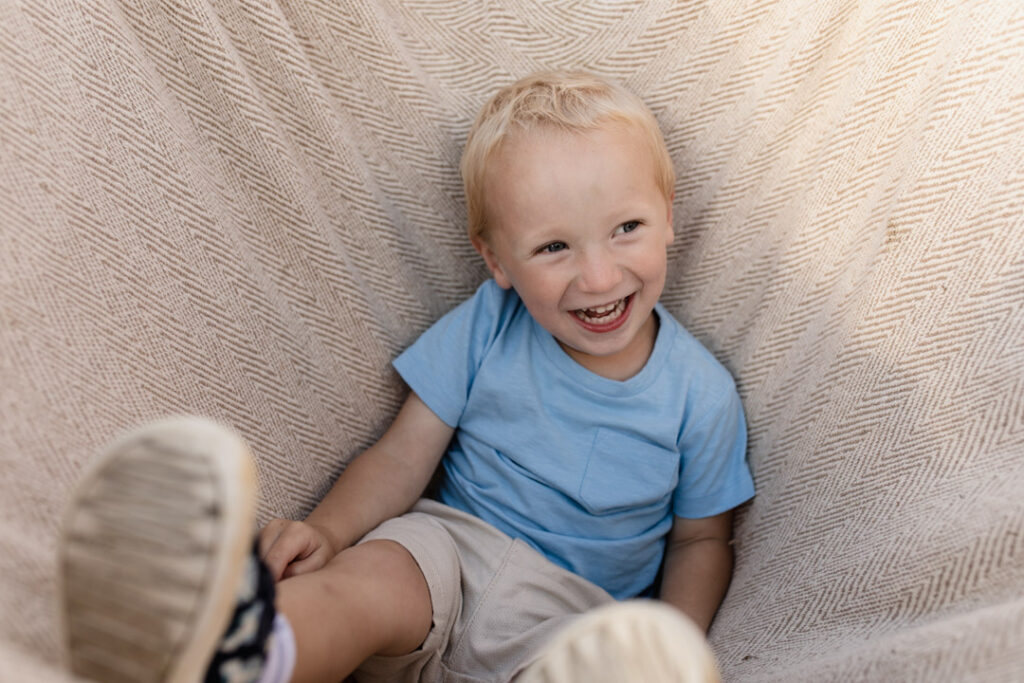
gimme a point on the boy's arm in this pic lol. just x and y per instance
(698, 566)
(387, 478)
(382, 482)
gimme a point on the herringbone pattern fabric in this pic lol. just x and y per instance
(247, 208)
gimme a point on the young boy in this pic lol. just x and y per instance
(586, 440)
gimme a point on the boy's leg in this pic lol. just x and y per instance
(157, 547)
(370, 599)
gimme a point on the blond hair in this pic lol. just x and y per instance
(573, 101)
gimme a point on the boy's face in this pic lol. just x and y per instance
(579, 228)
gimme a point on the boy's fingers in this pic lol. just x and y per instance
(277, 561)
(315, 561)
(291, 541)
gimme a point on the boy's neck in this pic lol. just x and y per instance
(626, 363)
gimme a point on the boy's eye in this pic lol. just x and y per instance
(552, 248)
(627, 227)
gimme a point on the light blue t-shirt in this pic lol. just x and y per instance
(587, 470)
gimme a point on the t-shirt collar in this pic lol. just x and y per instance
(603, 385)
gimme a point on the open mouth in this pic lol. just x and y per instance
(604, 318)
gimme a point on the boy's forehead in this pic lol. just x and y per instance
(541, 174)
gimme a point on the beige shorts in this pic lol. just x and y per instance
(496, 600)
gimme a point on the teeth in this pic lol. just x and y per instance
(602, 314)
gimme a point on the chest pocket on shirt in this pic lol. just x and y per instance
(625, 472)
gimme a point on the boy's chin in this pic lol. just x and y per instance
(597, 350)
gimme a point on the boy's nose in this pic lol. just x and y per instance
(598, 272)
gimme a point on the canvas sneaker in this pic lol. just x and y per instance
(636, 641)
(156, 557)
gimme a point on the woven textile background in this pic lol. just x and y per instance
(247, 208)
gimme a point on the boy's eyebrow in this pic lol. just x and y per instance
(539, 232)
(543, 235)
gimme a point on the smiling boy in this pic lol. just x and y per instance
(578, 228)
(586, 438)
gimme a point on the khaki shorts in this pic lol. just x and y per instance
(496, 600)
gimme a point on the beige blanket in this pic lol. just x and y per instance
(247, 208)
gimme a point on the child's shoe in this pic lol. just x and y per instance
(157, 567)
(637, 641)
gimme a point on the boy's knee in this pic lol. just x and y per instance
(389, 582)
(379, 560)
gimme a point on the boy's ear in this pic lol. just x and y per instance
(491, 259)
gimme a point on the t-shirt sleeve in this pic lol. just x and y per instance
(441, 364)
(714, 475)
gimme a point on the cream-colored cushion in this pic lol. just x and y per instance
(246, 209)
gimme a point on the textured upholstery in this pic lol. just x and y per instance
(246, 208)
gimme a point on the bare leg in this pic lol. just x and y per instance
(154, 552)
(370, 599)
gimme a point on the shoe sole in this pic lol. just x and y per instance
(152, 551)
(636, 641)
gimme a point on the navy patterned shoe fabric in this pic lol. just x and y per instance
(243, 649)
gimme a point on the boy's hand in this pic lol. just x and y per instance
(383, 482)
(290, 548)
